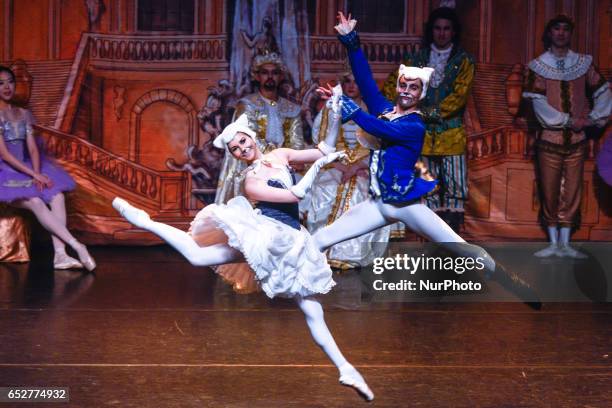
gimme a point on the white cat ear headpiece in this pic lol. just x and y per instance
(239, 125)
(424, 74)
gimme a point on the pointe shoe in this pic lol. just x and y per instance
(62, 260)
(566, 251)
(513, 283)
(134, 215)
(350, 377)
(547, 252)
(84, 256)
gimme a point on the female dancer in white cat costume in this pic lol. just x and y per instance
(280, 252)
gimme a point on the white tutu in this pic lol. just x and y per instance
(285, 261)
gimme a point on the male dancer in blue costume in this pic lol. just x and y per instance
(395, 187)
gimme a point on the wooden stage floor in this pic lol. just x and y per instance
(149, 330)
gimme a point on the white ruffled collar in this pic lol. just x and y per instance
(444, 52)
(568, 68)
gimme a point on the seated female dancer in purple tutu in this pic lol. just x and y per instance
(280, 252)
(29, 180)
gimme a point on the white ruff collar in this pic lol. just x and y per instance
(444, 52)
(575, 66)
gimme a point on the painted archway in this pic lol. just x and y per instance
(180, 104)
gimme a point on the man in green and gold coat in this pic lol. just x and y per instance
(444, 150)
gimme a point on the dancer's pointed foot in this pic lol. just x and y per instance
(513, 283)
(134, 215)
(547, 252)
(566, 251)
(84, 256)
(61, 260)
(350, 377)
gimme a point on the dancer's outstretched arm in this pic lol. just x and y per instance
(257, 188)
(298, 156)
(180, 240)
(327, 145)
(399, 131)
(373, 98)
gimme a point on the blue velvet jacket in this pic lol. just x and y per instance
(393, 177)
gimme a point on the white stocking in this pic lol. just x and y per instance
(217, 254)
(359, 220)
(58, 209)
(371, 214)
(564, 235)
(180, 240)
(423, 221)
(47, 219)
(313, 312)
(553, 234)
(349, 375)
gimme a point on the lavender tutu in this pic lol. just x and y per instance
(15, 185)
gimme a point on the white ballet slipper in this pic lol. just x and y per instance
(85, 258)
(350, 377)
(134, 215)
(62, 260)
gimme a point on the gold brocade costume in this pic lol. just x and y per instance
(277, 124)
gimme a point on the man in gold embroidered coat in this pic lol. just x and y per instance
(568, 96)
(446, 139)
(276, 121)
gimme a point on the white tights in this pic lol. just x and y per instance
(313, 312)
(372, 214)
(217, 254)
(53, 220)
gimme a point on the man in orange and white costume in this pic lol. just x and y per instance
(563, 85)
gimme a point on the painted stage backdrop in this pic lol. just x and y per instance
(128, 95)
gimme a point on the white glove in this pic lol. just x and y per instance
(344, 29)
(334, 102)
(334, 120)
(304, 185)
